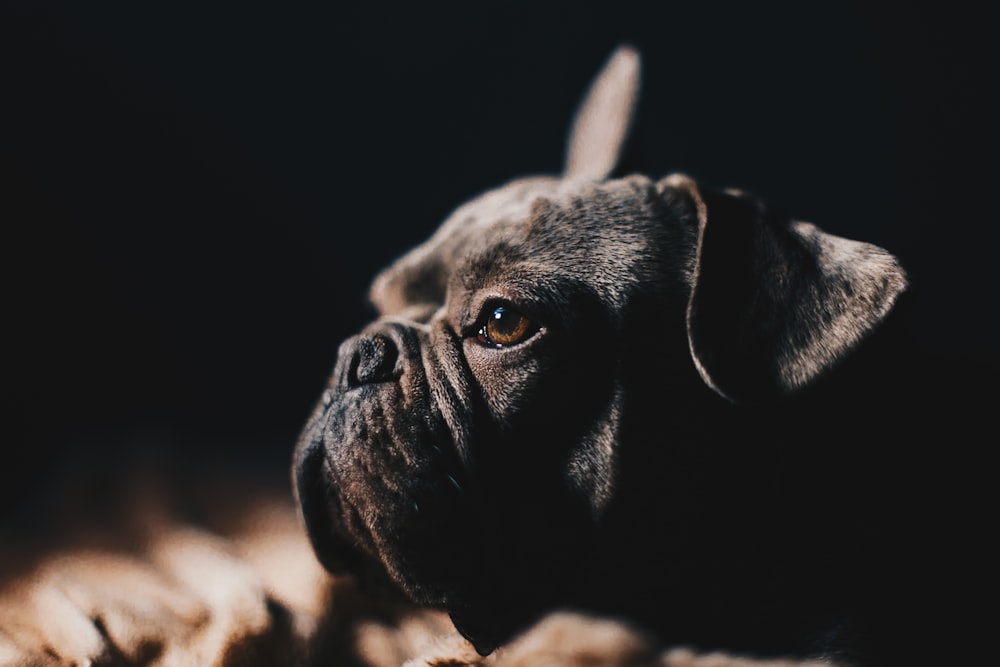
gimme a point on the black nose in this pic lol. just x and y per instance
(372, 359)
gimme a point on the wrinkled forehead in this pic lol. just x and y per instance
(605, 234)
(419, 278)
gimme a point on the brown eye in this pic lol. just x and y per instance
(504, 327)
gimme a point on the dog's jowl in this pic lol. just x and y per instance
(631, 396)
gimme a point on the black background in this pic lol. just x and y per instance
(194, 196)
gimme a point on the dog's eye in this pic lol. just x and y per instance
(505, 326)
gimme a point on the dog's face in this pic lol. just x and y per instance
(473, 439)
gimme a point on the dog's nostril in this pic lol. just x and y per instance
(374, 360)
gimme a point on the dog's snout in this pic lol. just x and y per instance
(372, 359)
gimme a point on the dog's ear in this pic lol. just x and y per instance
(775, 303)
(602, 122)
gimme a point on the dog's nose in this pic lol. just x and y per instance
(373, 359)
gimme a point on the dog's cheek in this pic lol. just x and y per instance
(592, 468)
(507, 381)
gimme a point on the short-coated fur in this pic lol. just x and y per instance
(696, 434)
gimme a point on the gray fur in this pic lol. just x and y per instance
(429, 438)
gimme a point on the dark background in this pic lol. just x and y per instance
(194, 196)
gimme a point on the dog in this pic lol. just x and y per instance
(639, 397)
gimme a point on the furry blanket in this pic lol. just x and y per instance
(156, 561)
(248, 591)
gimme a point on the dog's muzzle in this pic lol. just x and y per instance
(376, 472)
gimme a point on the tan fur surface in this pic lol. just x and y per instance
(184, 596)
(256, 596)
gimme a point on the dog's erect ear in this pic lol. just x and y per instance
(775, 303)
(602, 122)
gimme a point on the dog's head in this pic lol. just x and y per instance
(472, 438)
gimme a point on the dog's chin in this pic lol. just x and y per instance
(387, 503)
(432, 550)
